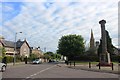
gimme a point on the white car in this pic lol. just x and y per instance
(37, 61)
(2, 67)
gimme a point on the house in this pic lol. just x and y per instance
(37, 52)
(22, 47)
(8, 45)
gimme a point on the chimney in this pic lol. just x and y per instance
(19, 40)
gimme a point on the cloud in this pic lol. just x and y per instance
(48, 4)
(10, 10)
(44, 23)
(59, 0)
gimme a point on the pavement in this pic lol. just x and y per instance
(17, 63)
(94, 68)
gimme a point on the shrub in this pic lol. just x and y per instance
(0, 58)
(115, 58)
(32, 57)
(9, 59)
(18, 58)
(85, 58)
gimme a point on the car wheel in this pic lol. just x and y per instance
(3, 68)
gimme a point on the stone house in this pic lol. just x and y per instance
(22, 47)
(37, 52)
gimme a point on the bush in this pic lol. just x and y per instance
(0, 58)
(33, 57)
(115, 58)
(85, 58)
(18, 58)
(9, 59)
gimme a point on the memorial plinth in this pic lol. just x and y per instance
(104, 56)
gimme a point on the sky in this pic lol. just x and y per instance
(44, 22)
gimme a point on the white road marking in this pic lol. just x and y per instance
(38, 72)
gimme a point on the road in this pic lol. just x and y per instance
(48, 70)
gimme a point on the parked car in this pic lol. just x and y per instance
(37, 61)
(2, 67)
(51, 60)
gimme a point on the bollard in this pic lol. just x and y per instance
(74, 63)
(70, 63)
(25, 59)
(112, 67)
(89, 64)
(99, 65)
(67, 62)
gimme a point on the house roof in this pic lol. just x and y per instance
(19, 44)
(7, 43)
(12, 44)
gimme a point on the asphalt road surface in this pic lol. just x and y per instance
(48, 70)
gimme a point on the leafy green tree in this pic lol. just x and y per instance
(2, 51)
(32, 57)
(57, 56)
(50, 55)
(46, 56)
(71, 46)
(91, 55)
(91, 52)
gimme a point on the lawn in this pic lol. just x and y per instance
(85, 62)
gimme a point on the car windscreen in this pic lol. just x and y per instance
(37, 60)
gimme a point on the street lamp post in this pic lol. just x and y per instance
(15, 51)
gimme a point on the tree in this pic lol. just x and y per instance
(91, 55)
(57, 56)
(91, 52)
(2, 51)
(109, 45)
(32, 57)
(71, 46)
(49, 55)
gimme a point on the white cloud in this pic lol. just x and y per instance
(8, 8)
(60, 0)
(115, 42)
(44, 26)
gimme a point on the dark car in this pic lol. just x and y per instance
(51, 60)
